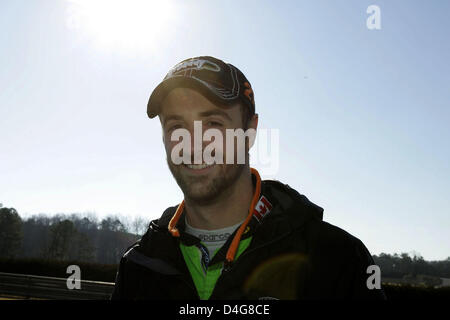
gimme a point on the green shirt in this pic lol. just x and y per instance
(206, 281)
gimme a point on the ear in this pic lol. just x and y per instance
(253, 123)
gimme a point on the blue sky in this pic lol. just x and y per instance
(362, 114)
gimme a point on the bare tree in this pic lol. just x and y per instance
(138, 226)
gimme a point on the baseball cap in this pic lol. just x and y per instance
(221, 82)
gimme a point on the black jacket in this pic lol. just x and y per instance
(293, 255)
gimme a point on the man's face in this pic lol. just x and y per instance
(180, 109)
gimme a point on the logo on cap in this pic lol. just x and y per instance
(198, 64)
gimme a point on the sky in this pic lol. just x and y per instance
(362, 114)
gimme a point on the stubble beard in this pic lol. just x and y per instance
(206, 188)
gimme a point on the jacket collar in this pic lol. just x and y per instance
(278, 203)
(281, 210)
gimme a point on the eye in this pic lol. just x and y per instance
(173, 127)
(213, 123)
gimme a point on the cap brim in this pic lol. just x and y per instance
(163, 89)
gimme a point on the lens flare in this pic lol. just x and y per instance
(278, 277)
(131, 24)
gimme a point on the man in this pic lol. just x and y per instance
(233, 236)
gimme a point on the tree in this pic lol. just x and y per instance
(82, 248)
(62, 236)
(112, 223)
(36, 236)
(138, 226)
(113, 240)
(10, 232)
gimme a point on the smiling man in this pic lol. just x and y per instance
(233, 236)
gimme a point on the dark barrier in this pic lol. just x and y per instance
(54, 268)
(30, 286)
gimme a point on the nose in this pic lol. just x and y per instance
(195, 142)
(196, 131)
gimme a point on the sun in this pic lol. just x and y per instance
(125, 24)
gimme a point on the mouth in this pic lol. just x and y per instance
(199, 168)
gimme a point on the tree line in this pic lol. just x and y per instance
(411, 265)
(67, 237)
(84, 238)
